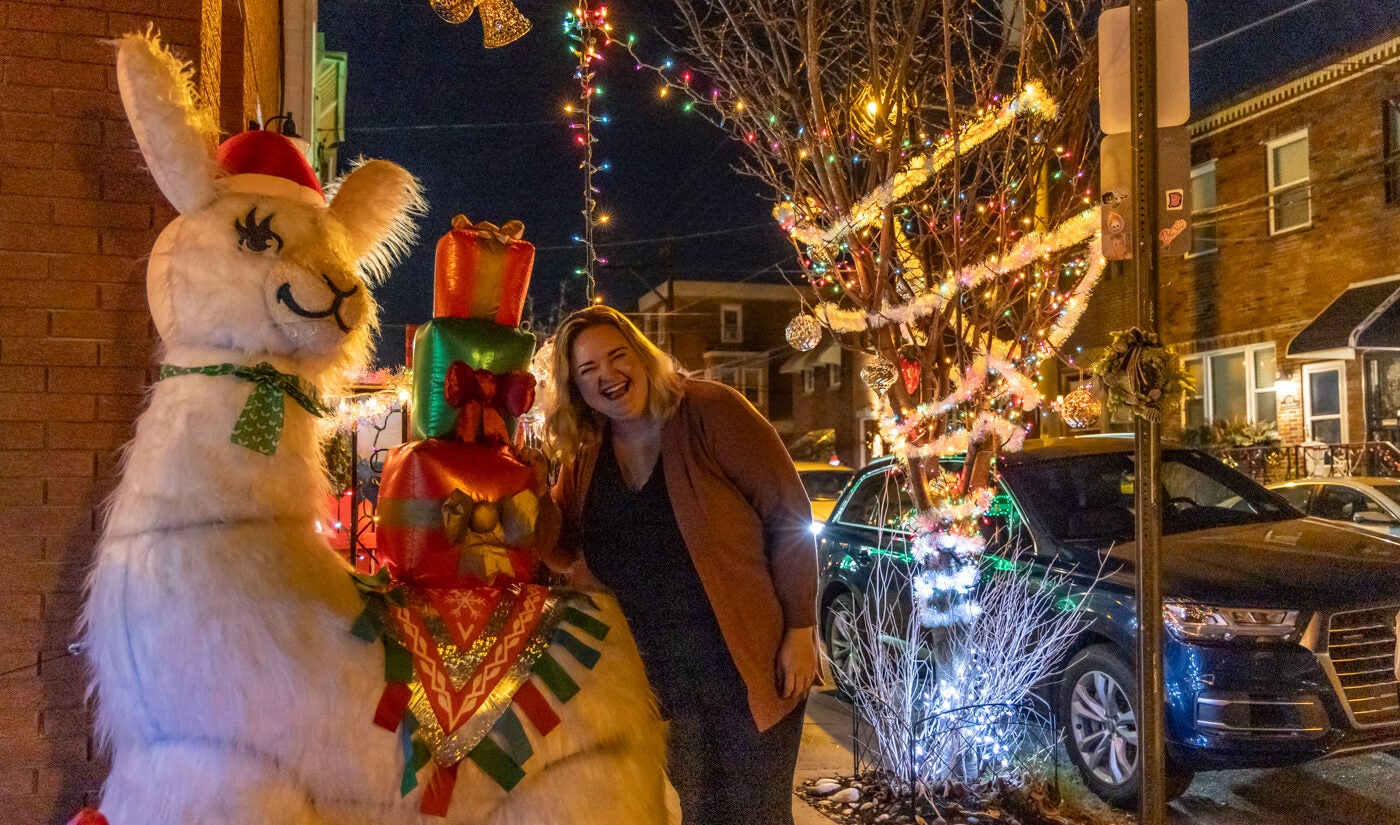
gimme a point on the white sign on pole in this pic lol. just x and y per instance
(1116, 68)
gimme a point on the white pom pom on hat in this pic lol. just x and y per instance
(259, 162)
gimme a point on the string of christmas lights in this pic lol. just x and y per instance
(589, 32)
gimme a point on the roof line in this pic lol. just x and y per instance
(1348, 68)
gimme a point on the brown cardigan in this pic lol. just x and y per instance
(745, 519)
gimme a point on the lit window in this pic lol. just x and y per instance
(1290, 195)
(731, 324)
(1203, 237)
(1232, 385)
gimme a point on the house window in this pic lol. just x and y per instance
(731, 324)
(833, 376)
(1235, 385)
(1202, 204)
(809, 381)
(1392, 151)
(654, 327)
(1290, 195)
(746, 372)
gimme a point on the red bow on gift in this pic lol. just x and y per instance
(484, 398)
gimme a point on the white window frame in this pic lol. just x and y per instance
(833, 376)
(1252, 390)
(1271, 148)
(731, 334)
(1200, 170)
(740, 370)
(654, 327)
(1325, 366)
(809, 381)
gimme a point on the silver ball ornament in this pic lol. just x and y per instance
(804, 333)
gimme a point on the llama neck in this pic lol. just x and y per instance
(183, 470)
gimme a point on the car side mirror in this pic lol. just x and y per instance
(1372, 517)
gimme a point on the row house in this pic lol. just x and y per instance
(735, 333)
(78, 216)
(1286, 308)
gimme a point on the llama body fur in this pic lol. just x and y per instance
(229, 688)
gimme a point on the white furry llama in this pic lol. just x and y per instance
(229, 687)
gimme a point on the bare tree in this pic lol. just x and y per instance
(928, 160)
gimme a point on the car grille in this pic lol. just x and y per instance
(1361, 645)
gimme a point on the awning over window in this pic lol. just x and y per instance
(1364, 317)
(819, 357)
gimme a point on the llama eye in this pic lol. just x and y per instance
(255, 235)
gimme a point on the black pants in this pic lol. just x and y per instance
(727, 773)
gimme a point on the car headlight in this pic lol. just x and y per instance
(1190, 621)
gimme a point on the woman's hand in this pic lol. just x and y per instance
(797, 668)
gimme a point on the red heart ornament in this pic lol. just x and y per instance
(912, 372)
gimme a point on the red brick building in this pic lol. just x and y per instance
(78, 214)
(1287, 309)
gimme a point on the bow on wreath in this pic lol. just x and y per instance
(485, 398)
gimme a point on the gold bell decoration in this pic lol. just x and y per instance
(501, 21)
(1081, 408)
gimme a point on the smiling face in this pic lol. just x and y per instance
(609, 374)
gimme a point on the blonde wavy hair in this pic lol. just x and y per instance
(569, 422)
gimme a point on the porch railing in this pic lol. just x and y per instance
(1284, 462)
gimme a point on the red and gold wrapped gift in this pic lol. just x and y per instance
(454, 514)
(482, 271)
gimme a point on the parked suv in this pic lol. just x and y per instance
(1281, 629)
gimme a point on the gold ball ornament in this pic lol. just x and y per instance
(879, 375)
(1080, 409)
(804, 333)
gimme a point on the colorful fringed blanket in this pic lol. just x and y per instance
(466, 668)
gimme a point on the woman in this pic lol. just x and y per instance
(681, 499)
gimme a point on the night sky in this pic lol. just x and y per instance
(485, 132)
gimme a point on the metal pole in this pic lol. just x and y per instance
(1151, 756)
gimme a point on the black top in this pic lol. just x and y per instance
(634, 546)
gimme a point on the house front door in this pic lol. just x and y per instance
(1325, 401)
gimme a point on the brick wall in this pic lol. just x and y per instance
(78, 213)
(1257, 287)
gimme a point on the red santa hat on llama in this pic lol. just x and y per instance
(259, 162)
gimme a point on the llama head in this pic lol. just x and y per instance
(258, 262)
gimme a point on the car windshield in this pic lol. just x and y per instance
(825, 483)
(1089, 498)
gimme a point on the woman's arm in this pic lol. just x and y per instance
(752, 456)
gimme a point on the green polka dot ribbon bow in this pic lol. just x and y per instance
(259, 427)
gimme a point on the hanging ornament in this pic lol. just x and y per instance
(1080, 409)
(910, 368)
(879, 375)
(453, 11)
(501, 22)
(804, 333)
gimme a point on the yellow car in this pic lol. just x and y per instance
(824, 483)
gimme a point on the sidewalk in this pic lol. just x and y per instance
(825, 752)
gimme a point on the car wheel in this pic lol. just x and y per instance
(1097, 709)
(842, 648)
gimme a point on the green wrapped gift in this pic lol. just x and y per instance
(483, 344)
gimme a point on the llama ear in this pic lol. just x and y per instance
(176, 134)
(377, 203)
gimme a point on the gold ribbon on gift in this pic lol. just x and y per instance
(486, 531)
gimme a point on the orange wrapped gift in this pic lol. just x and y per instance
(482, 271)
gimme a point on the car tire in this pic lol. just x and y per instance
(1097, 710)
(842, 652)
